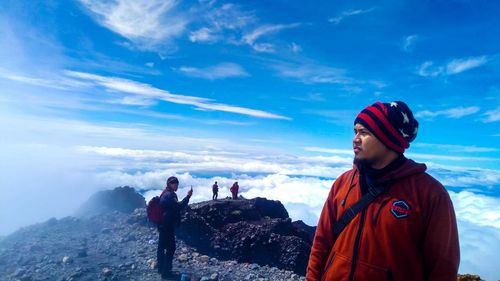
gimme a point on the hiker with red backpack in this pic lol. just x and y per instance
(171, 208)
(234, 190)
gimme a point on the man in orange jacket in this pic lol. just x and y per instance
(408, 232)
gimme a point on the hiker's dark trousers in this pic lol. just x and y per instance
(166, 248)
(214, 197)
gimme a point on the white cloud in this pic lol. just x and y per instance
(492, 115)
(230, 24)
(220, 71)
(203, 35)
(295, 48)
(250, 38)
(339, 117)
(476, 208)
(461, 65)
(147, 23)
(456, 148)
(348, 13)
(330, 150)
(312, 74)
(427, 69)
(478, 218)
(321, 166)
(223, 23)
(54, 82)
(457, 112)
(469, 177)
(409, 42)
(150, 92)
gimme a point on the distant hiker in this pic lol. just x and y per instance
(215, 190)
(234, 190)
(386, 218)
(171, 207)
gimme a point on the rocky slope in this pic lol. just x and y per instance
(115, 246)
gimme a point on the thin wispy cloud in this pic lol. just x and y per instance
(224, 23)
(329, 150)
(220, 71)
(311, 97)
(419, 156)
(295, 48)
(457, 112)
(54, 82)
(312, 74)
(348, 13)
(456, 148)
(203, 35)
(456, 66)
(457, 158)
(409, 43)
(251, 37)
(461, 65)
(150, 92)
(492, 115)
(146, 23)
(230, 24)
(338, 117)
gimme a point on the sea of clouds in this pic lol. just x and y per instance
(52, 176)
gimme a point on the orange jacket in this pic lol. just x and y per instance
(408, 233)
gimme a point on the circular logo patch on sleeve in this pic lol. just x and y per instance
(400, 209)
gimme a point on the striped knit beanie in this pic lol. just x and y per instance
(392, 123)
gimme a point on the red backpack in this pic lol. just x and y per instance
(155, 213)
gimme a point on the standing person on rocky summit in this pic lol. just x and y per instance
(215, 190)
(234, 190)
(171, 207)
(408, 231)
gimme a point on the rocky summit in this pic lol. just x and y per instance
(254, 230)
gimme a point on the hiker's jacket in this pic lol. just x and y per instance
(171, 208)
(408, 233)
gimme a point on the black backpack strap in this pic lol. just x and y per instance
(349, 214)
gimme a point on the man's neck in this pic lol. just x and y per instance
(382, 163)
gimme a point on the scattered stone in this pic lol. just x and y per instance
(67, 260)
(203, 259)
(106, 272)
(152, 263)
(182, 257)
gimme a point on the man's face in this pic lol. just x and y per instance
(174, 186)
(367, 148)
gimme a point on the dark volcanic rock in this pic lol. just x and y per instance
(468, 277)
(255, 230)
(301, 226)
(124, 199)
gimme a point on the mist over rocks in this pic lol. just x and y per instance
(123, 199)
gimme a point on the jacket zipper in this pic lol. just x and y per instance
(356, 246)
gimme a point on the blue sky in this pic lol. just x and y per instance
(96, 94)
